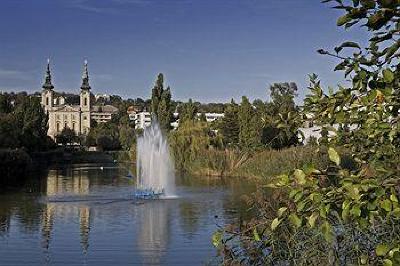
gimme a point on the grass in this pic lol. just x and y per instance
(270, 163)
(261, 164)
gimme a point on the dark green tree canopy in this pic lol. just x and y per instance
(161, 103)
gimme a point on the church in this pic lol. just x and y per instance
(76, 117)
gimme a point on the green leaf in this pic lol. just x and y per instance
(388, 76)
(334, 156)
(256, 235)
(355, 211)
(350, 45)
(370, 4)
(300, 176)
(363, 259)
(301, 205)
(293, 193)
(295, 220)
(281, 211)
(343, 20)
(282, 180)
(312, 219)
(327, 232)
(395, 256)
(386, 205)
(396, 212)
(381, 250)
(393, 198)
(275, 223)
(217, 238)
(387, 262)
(309, 168)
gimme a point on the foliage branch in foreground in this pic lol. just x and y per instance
(339, 215)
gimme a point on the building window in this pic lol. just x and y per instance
(65, 124)
(58, 127)
(73, 126)
(85, 101)
(47, 100)
(84, 118)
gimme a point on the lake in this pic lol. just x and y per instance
(85, 215)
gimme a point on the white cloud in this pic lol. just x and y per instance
(91, 6)
(10, 73)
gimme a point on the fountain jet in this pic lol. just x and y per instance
(155, 170)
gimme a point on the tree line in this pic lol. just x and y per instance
(23, 123)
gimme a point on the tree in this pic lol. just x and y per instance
(282, 118)
(23, 123)
(188, 141)
(5, 104)
(9, 132)
(249, 126)
(156, 93)
(203, 117)
(66, 136)
(127, 137)
(164, 110)
(187, 111)
(229, 126)
(161, 103)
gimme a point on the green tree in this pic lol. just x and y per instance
(127, 137)
(66, 136)
(5, 103)
(32, 122)
(282, 117)
(229, 126)
(249, 126)
(161, 103)
(187, 111)
(187, 142)
(165, 110)
(9, 132)
(156, 93)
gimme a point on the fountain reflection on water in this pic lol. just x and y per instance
(155, 171)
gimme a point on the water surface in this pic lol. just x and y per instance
(85, 215)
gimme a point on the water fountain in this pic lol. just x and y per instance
(155, 171)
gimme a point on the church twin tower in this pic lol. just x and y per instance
(62, 115)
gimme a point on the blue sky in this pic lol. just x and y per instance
(209, 50)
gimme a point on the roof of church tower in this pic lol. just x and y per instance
(47, 82)
(85, 77)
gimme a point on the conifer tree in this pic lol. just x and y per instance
(249, 126)
(156, 93)
(229, 126)
(161, 103)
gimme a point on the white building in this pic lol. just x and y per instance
(143, 119)
(211, 117)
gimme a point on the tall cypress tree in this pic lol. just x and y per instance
(156, 93)
(229, 126)
(164, 110)
(161, 103)
(249, 126)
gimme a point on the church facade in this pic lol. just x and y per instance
(75, 117)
